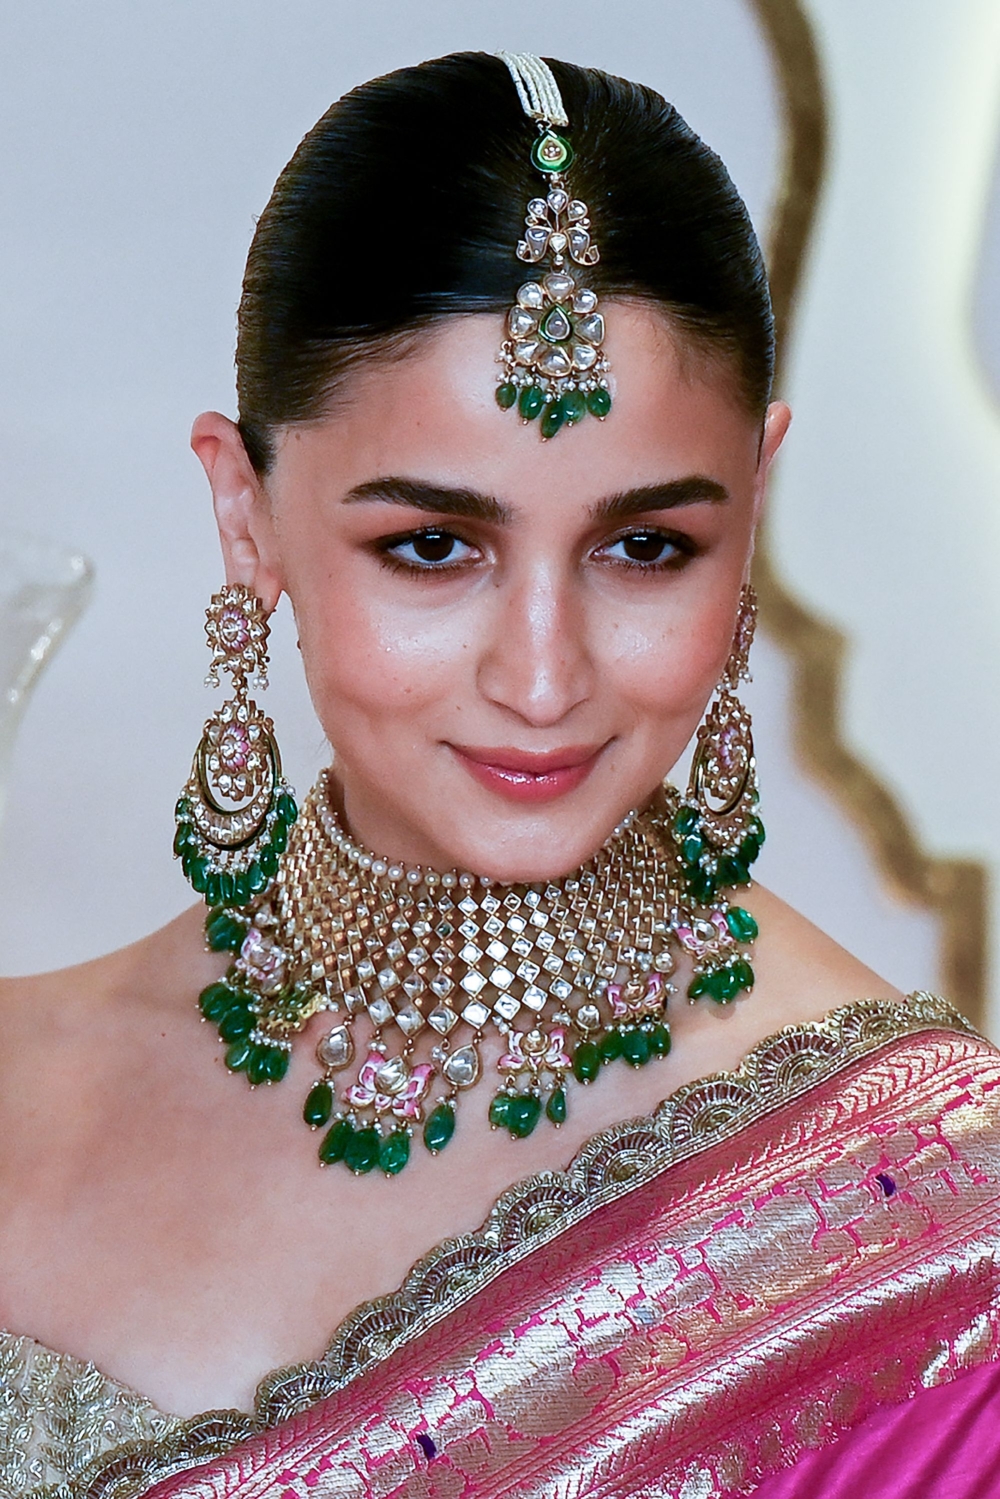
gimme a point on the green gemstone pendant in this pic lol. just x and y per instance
(335, 1141)
(318, 1105)
(361, 1151)
(394, 1152)
(506, 395)
(440, 1127)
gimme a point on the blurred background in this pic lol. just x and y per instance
(137, 145)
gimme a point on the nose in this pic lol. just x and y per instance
(537, 663)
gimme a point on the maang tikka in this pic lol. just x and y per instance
(234, 813)
(554, 365)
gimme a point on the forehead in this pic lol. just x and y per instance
(432, 414)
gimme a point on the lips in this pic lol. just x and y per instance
(528, 777)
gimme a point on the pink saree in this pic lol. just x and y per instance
(786, 1283)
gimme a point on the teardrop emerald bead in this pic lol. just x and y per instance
(394, 1152)
(258, 1064)
(586, 1062)
(362, 1150)
(551, 153)
(552, 419)
(659, 1040)
(287, 808)
(530, 401)
(574, 405)
(610, 1046)
(318, 1105)
(268, 861)
(499, 1115)
(635, 1047)
(183, 837)
(216, 1000)
(523, 1114)
(236, 1023)
(555, 1108)
(275, 1063)
(685, 820)
(439, 1128)
(506, 395)
(741, 924)
(238, 1055)
(335, 1140)
(599, 402)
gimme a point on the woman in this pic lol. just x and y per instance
(507, 466)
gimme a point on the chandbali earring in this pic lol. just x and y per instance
(234, 813)
(717, 828)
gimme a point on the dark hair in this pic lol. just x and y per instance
(403, 206)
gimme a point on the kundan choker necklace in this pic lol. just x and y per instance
(574, 974)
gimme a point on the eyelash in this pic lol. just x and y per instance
(684, 549)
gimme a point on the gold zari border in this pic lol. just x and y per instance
(696, 1117)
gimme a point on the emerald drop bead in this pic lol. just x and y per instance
(269, 861)
(702, 887)
(279, 836)
(586, 1062)
(748, 850)
(506, 395)
(318, 1105)
(214, 1001)
(659, 1040)
(530, 401)
(286, 808)
(499, 1114)
(439, 1128)
(574, 405)
(394, 1152)
(523, 1114)
(741, 924)
(555, 1108)
(236, 1023)
(275, 1064)
(745, 974)
(224, 933)
(610, 1046)
(256, 878)
(361, 1151)
(241, 889)
(692, 848)
(238, 1055)
(635, 1047)
(552, 419)
(335, 1140)
(599, 401)
(198, 875)
(183, 809)
(698, 986)
(184, 836)
(258, 1064)
(732, 871)
(685, 820)
(227, 888)
(551, 153)
(726, 986)
(757, 831)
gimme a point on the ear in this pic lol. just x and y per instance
(776, 424)
(242, 512)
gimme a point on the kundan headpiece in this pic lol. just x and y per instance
(554, 365)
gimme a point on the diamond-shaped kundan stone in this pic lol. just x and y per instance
(591, 328)
(413, 986)
(473, 982)
(501, 977)
(561, 989)
(533, 997)
(493, 927)
(525, 353)
(337, 1049)
(559, 285)
(532, 297)
(409, 1020)
(476, 1014)
(462, 1067)
(354, 999)
(506, 1006)
(442, 985)
(557, 242)
(497, 951)
(381, 1011)
(442, 1019)
(585, 301)
(528, 971)
(366, 970)
(584, 356)
(388, 979)
(521, 322)
(555, 362)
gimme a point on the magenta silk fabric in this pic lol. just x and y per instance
(942, 1444)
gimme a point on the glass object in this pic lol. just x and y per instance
(44, 589)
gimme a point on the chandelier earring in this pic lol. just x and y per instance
(235, 810)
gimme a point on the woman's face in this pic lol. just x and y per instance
(507, 642)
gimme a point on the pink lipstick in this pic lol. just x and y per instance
(524, 777)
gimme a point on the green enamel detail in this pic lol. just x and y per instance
(500, 1110)
(223, 932)
(610, 1046)
(506, 395)
(286, 808)
(184, 836)
(599, 401)
(523, 1114)
(362, 1150)
(574, 405)
(551, 153)
(530, 401)
(236, 1023)
(685, 820)
(741, 924)
(635, 1047)
(552, 419)
(238, 1055)
(334, 1142)
(269, 861)
(555, 1108)
(214, 1001)
(394, 1152)
(439, 1128)
(659, 1040)
(318, 1105)
(586, 1062)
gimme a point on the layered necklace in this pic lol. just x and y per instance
(574, 974)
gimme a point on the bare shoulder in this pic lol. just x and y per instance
(802, 972)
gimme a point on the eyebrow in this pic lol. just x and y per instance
(472, 505)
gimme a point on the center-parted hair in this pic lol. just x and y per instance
(403, 205)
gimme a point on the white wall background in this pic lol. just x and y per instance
(136, 146)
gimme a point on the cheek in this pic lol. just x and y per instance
(665, 664)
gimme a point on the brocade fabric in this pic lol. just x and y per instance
(702, 1298)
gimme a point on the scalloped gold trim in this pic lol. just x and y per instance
(611, 1164)
(956, 891)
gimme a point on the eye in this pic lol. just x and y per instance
(645, 549)
(428, 549)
